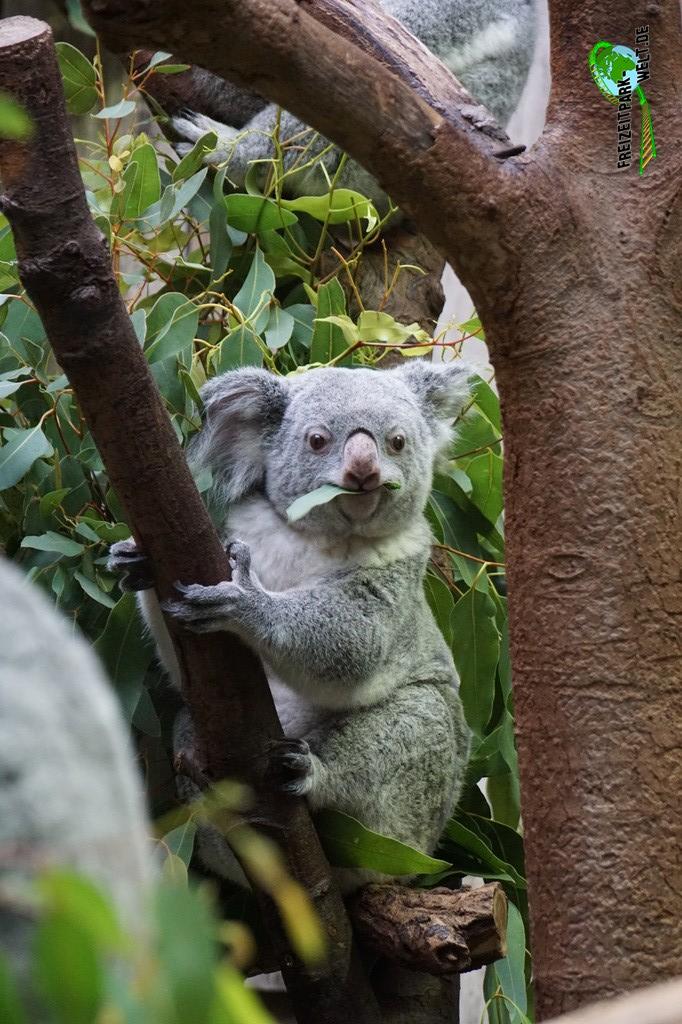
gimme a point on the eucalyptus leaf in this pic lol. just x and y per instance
(279, 328)
(175, 196)
(121, 109)
(328, 339)
(143, 185)
(349, 844)
(320, 496)
(301, 506)
(254, 297)
(52, 541)
(171, 326)
(21, 450)
(180, 840)
(303, 315)
(476, 651)
(194, 160)
(337, 207)
(126, 650)
(92, 590)
(8, 387)
(255, 214)
(508, 974)
(68, 970)
(186, 950)
(78, 77)
(11, 1010)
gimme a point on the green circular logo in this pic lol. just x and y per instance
(614, 71)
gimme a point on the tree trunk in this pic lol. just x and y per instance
(66, 270)
(575, 270)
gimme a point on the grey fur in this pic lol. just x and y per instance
(70, 795)
(334, 603)
(487, 44)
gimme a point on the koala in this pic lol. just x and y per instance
(487, 44)
(70, 795)
(363, 681)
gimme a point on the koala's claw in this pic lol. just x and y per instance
(290, 766)
(205, 609)
(239, 557)
(135, 567)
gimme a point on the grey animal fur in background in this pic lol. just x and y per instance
(487, 44)
(70, 795)
(364, 683)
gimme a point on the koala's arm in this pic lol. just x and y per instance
(487, 44)
(239, 147)
(338, 633)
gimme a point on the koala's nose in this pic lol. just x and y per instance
(361, 470)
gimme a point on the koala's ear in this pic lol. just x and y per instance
(241, 410)
(442, 388)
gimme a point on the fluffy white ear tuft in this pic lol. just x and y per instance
(442, 389)
(241, 410)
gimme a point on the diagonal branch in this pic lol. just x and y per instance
(387, 100)
(66, 269)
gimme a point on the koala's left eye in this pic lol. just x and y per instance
(397, 442)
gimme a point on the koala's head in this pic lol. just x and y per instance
(359, 429)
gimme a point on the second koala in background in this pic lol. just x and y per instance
(334, 603)
(487, 44)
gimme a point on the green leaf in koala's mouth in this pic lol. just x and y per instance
(321, 495)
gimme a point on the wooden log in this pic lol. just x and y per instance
(437, 931)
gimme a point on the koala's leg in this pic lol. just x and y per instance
(213, 849)
(397, 766)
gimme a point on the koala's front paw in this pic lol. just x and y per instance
(291, 766)
(134, 566)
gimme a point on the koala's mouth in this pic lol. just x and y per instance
(361, 505)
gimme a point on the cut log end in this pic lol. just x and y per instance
(20, 29)
(438, 931)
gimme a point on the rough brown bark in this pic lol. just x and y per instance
(438, 931)
(575, 271)
(66, 269)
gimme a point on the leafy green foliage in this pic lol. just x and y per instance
(87, 969)
(348, 844)
(214, 279)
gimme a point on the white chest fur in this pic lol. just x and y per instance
(287, 559)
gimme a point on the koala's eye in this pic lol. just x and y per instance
(317, 441)
(397, 442)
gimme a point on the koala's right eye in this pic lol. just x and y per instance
(318, 441)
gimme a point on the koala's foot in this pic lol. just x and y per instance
(134, 566)
(291, 766)
(187, 763)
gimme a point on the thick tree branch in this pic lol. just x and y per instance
(403, 115)
(66, 269)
